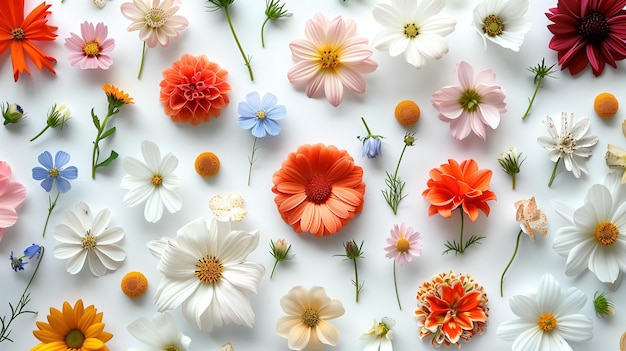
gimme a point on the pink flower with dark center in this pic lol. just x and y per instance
(91, 49)
(12, 194)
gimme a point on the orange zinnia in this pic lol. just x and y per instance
(319, 189)
(19, 33)
(453, 185)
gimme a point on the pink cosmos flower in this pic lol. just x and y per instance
(471, 103)
(330, 59)
(12, 194)
(90, 50)
(404, 244)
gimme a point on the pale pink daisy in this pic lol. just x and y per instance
(331, 58)
(471, 103)
(91, 49)
(12, 194)
(155, 20)
(404, 244)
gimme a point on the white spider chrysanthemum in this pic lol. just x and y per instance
(547, 319)
(158, 334)
(205, 269)
(571, 144)
(152, 182)
(503, 22)
(85, 238)
(596, 239)
(413, 27)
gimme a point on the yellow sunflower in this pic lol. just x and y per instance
(75, 328)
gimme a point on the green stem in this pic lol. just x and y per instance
(262, 29)
(532, 99)
(513, 181)
(251, 159)
(519, 236)
(243, 54)
(366, 127)
(395, 173)
(143, 54)
(273, 269)
(96, 148)
(556, 164)
(356, 280)
(395, 284)
(42, 131)
(461, 244)
(50, 209)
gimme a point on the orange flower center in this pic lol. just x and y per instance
(88, 242)
(318, 190)
(75, 339)
(594, 27)
(547, 322)
(411, 31)
(209, 270)
(330, 58)
(18, 34)
(606, 233)
(310, 318)
(261, 114)
(155, 17)
(92, 49)
(156, 180)
(403, 245)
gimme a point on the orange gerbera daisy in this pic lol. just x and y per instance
(451, 307)
(319, 189)
(18, 33)
(75, 328)
(115, 96)
(194, 89)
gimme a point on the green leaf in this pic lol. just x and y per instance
(107, 133)
(95, 119)
(109, 159)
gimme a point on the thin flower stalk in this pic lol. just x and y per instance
(51, 206)
(519, 236)
(354, 252)
(251, 159)
(280, 252)
(395, 285)
(461, 246)
(541, 71)
(393, 194)
(273, 11)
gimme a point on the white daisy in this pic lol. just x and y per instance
(158, 334)
(597, 238)
(571, 145)
(380, 335)
(205, 270)
(152, 182)
(413, 27)
(503, 22)
(547, 319)
(83, 237)
(229, 208)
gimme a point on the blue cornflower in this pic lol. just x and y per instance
(260, 115)
(17, 264)
(372, 144)
(53, 172)
(32, 251)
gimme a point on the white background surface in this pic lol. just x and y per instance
(307, 121)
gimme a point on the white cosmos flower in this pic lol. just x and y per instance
(380, 335)
(85, 238)
(547, 319)
(152, 182)
(413, 27)
(158, 334)
(503, 22)
(596, 238)
(205, 270)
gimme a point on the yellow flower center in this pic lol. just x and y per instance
(403, 245)
(156, 180)
(209, 270)
(547, 322)
(170, 348)
(75, 339)
(88, 242)
(470, 99)
(155, 17)
(493, 26)
(329, 58)
(261, 114)
(53, 172)
(606, 233)
(411, 31)
(310, 318)
(92, 49)
(18, 34)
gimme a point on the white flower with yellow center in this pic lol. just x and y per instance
(547, 319)
(205, 269)
(597, 238)
(158, 334)
(155, 20)
(503, 22)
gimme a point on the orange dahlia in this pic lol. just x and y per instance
(194, 89)
(451, 308)
(318, 189)
(18, 33)
(453, 185)
(75, 328)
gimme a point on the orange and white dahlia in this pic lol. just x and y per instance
(451, 308)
